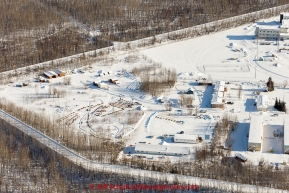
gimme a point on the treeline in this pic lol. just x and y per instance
(98, 148)
(31, 33)
(125, 20)
(280, 105)
(35, 31)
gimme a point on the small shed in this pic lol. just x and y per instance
(113, 81)
(240, 157)
(60, 73)
(190, 91)
(41, 79)
(101, 85)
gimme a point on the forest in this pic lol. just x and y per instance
(35, 31)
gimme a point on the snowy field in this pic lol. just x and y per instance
(122, 110)
(226, 55)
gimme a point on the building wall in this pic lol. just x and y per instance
(218, 106)
(184, 141)
(286, 147)
(158, 153)
(267, 33)
(262, 109)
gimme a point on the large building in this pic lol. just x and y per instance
(183, 138)
(161, 149)
(280, 31)
(268, 135)
(255, 133)
(218, 95)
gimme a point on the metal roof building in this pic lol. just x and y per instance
(50, 74)
(182, 138)
(217, 97)
(161, 149)
(256, 132)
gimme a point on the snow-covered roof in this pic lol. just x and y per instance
(161, 149)
(219, 86)
(256, 128)
(185, 137)
(286, 132)
(241, 156)
(217, 98)
(50, 73)
(59, 71)
(267, 27)
(261, 101)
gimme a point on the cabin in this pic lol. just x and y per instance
(50, 74)
(60, 73)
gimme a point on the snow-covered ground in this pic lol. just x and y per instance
(228, 55)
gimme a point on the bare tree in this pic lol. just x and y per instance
(240, 92)
(67, 80)
(285, 83)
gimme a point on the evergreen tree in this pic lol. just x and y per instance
(270, 84)
(276, 103)
(283, 107)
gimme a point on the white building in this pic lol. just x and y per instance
(284, 16)
(217, 97)
(275, 31)
(182, 138)
(161, 149)
(256, 132)
(220, 86)
(286, 136)
(261, 102)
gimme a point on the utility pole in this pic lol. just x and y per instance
(257, 53)
(257, 47)
(277, 45)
